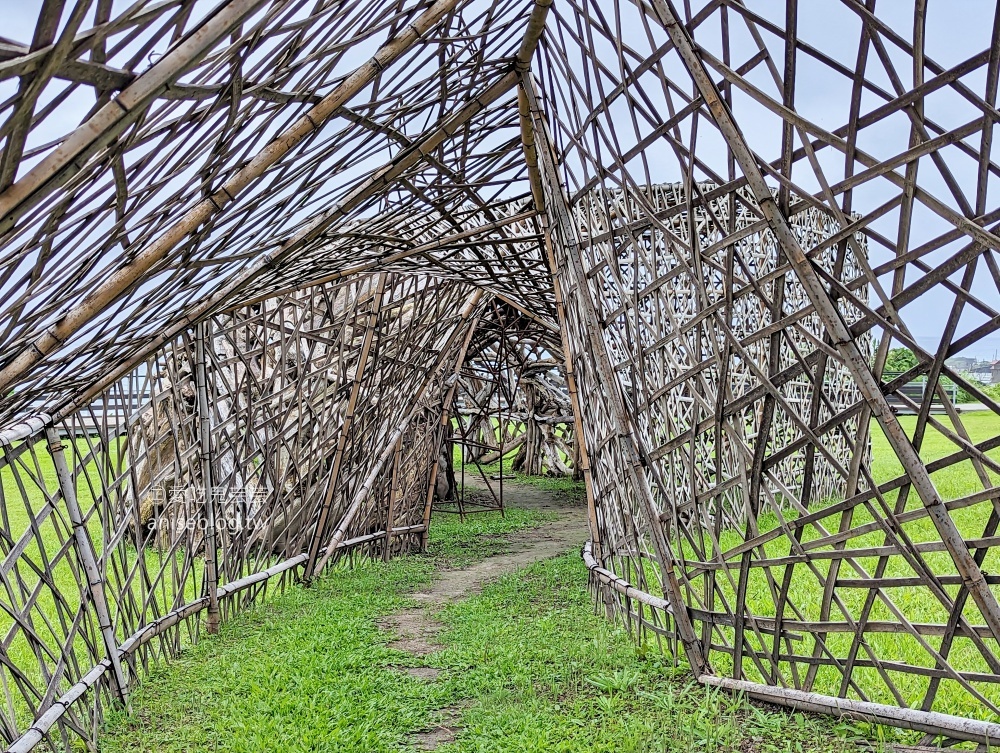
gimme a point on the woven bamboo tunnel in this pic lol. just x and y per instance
(267, 268)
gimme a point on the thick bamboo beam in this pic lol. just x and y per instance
(538, 195)
(108, 122)
(395, 493)
(202, 337)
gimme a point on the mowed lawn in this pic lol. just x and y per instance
(526, 666)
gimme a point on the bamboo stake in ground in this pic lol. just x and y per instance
(207, 485)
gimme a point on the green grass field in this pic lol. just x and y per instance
(459, 544)
(527, 662)
(916, 604)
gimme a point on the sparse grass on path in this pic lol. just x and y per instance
(528, 662)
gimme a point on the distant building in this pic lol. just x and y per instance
(985, 372)
(961, 363)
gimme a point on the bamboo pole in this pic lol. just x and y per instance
(442, 430)
(45, 721)
(930, 722)
(876, 713)
(88, 559)
(378, 180)
(538, 195)
(395, 492)
(23, 429)
(109, 121)
(208, 487)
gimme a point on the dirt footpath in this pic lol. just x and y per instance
(416, 628)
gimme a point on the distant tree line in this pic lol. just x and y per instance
(900, 360)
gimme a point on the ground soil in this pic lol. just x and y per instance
(417, 628)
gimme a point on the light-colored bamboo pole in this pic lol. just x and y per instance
(88, 559)
(563, 221)
(345, 428)
(538, 195)
(128, 274)
(532, 33)
(620, 585)
(26, 427)
(829, 313)
(929, 722)
(44, 722)
(395, 492)
(109, 121)
(208, 487)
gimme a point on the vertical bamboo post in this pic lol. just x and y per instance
(208, 488)
(88, 558)
(395, 492)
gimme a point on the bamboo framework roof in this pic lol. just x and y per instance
(247, 248)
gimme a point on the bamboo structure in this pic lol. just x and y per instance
(263, 263)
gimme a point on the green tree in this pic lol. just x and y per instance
(900, 359)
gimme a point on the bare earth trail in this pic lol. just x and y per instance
(417, 628)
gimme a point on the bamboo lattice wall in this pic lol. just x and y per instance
(255, 254)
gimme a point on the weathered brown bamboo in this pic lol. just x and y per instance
(395, 492)
(202, 334)
(345, 428)
(598, 351)
(126, 106)
(538, 195)
(100, 298)
(842, 339)
(465, 328)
